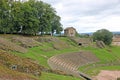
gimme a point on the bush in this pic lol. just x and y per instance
(103, 35)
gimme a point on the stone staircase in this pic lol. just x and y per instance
(69, 63)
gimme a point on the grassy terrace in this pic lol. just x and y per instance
(42, 53)
(46, 50)
(50, 76)
(109, 60)
(109, 57)
(37, 54)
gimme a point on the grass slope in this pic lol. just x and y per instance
(50, 76)
(42, 53)
(50, 46)
(46, 50)
(7, 74)
(109, 60)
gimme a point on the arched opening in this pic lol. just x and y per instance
(80, 44)
(14, 67)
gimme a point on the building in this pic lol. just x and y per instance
(85, 41)
(70, 31)
(116, 40)
(82, 41)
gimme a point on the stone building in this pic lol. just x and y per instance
(82, 41)
(116, 40)
(70, 31)
(85, 41)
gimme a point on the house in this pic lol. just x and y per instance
(70, 31)
(116, 40)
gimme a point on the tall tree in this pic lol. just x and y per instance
(4, 11)
(29, 17)
(17, 16)
(31, 21)
(56, 25)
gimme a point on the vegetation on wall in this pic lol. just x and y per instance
(29, 17)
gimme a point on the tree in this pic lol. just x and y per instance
(17, 16)
(56, 25)
(4, 16)
(49, 21)
(103, 35)
(29, 17)
(31, 21)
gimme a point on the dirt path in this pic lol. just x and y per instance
(108, 75)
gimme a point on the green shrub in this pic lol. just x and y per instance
(103, 35)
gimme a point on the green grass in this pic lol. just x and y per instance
(96, 70)
(116, 51)
(42, 53)
(41, 56)
(107, 54)
(107, 57)
(50, 76)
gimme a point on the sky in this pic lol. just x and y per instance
(88, 15)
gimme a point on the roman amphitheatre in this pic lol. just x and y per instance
(60, 40)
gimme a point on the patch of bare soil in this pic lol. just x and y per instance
(108, 75)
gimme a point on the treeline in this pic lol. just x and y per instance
(28, 17)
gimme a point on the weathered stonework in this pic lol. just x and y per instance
(70, 31)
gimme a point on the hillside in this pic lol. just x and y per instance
(17, 68)
(109, 60)
(27, 56)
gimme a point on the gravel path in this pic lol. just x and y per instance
(108, 75)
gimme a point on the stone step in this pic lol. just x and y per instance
(60, 62)
(71, 62)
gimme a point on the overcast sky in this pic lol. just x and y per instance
(88, 15)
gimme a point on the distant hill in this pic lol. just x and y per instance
(116, 32)
(90, 33)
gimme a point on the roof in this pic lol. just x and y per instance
(116, 39)
(69, 28)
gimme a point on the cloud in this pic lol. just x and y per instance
(88, 15)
